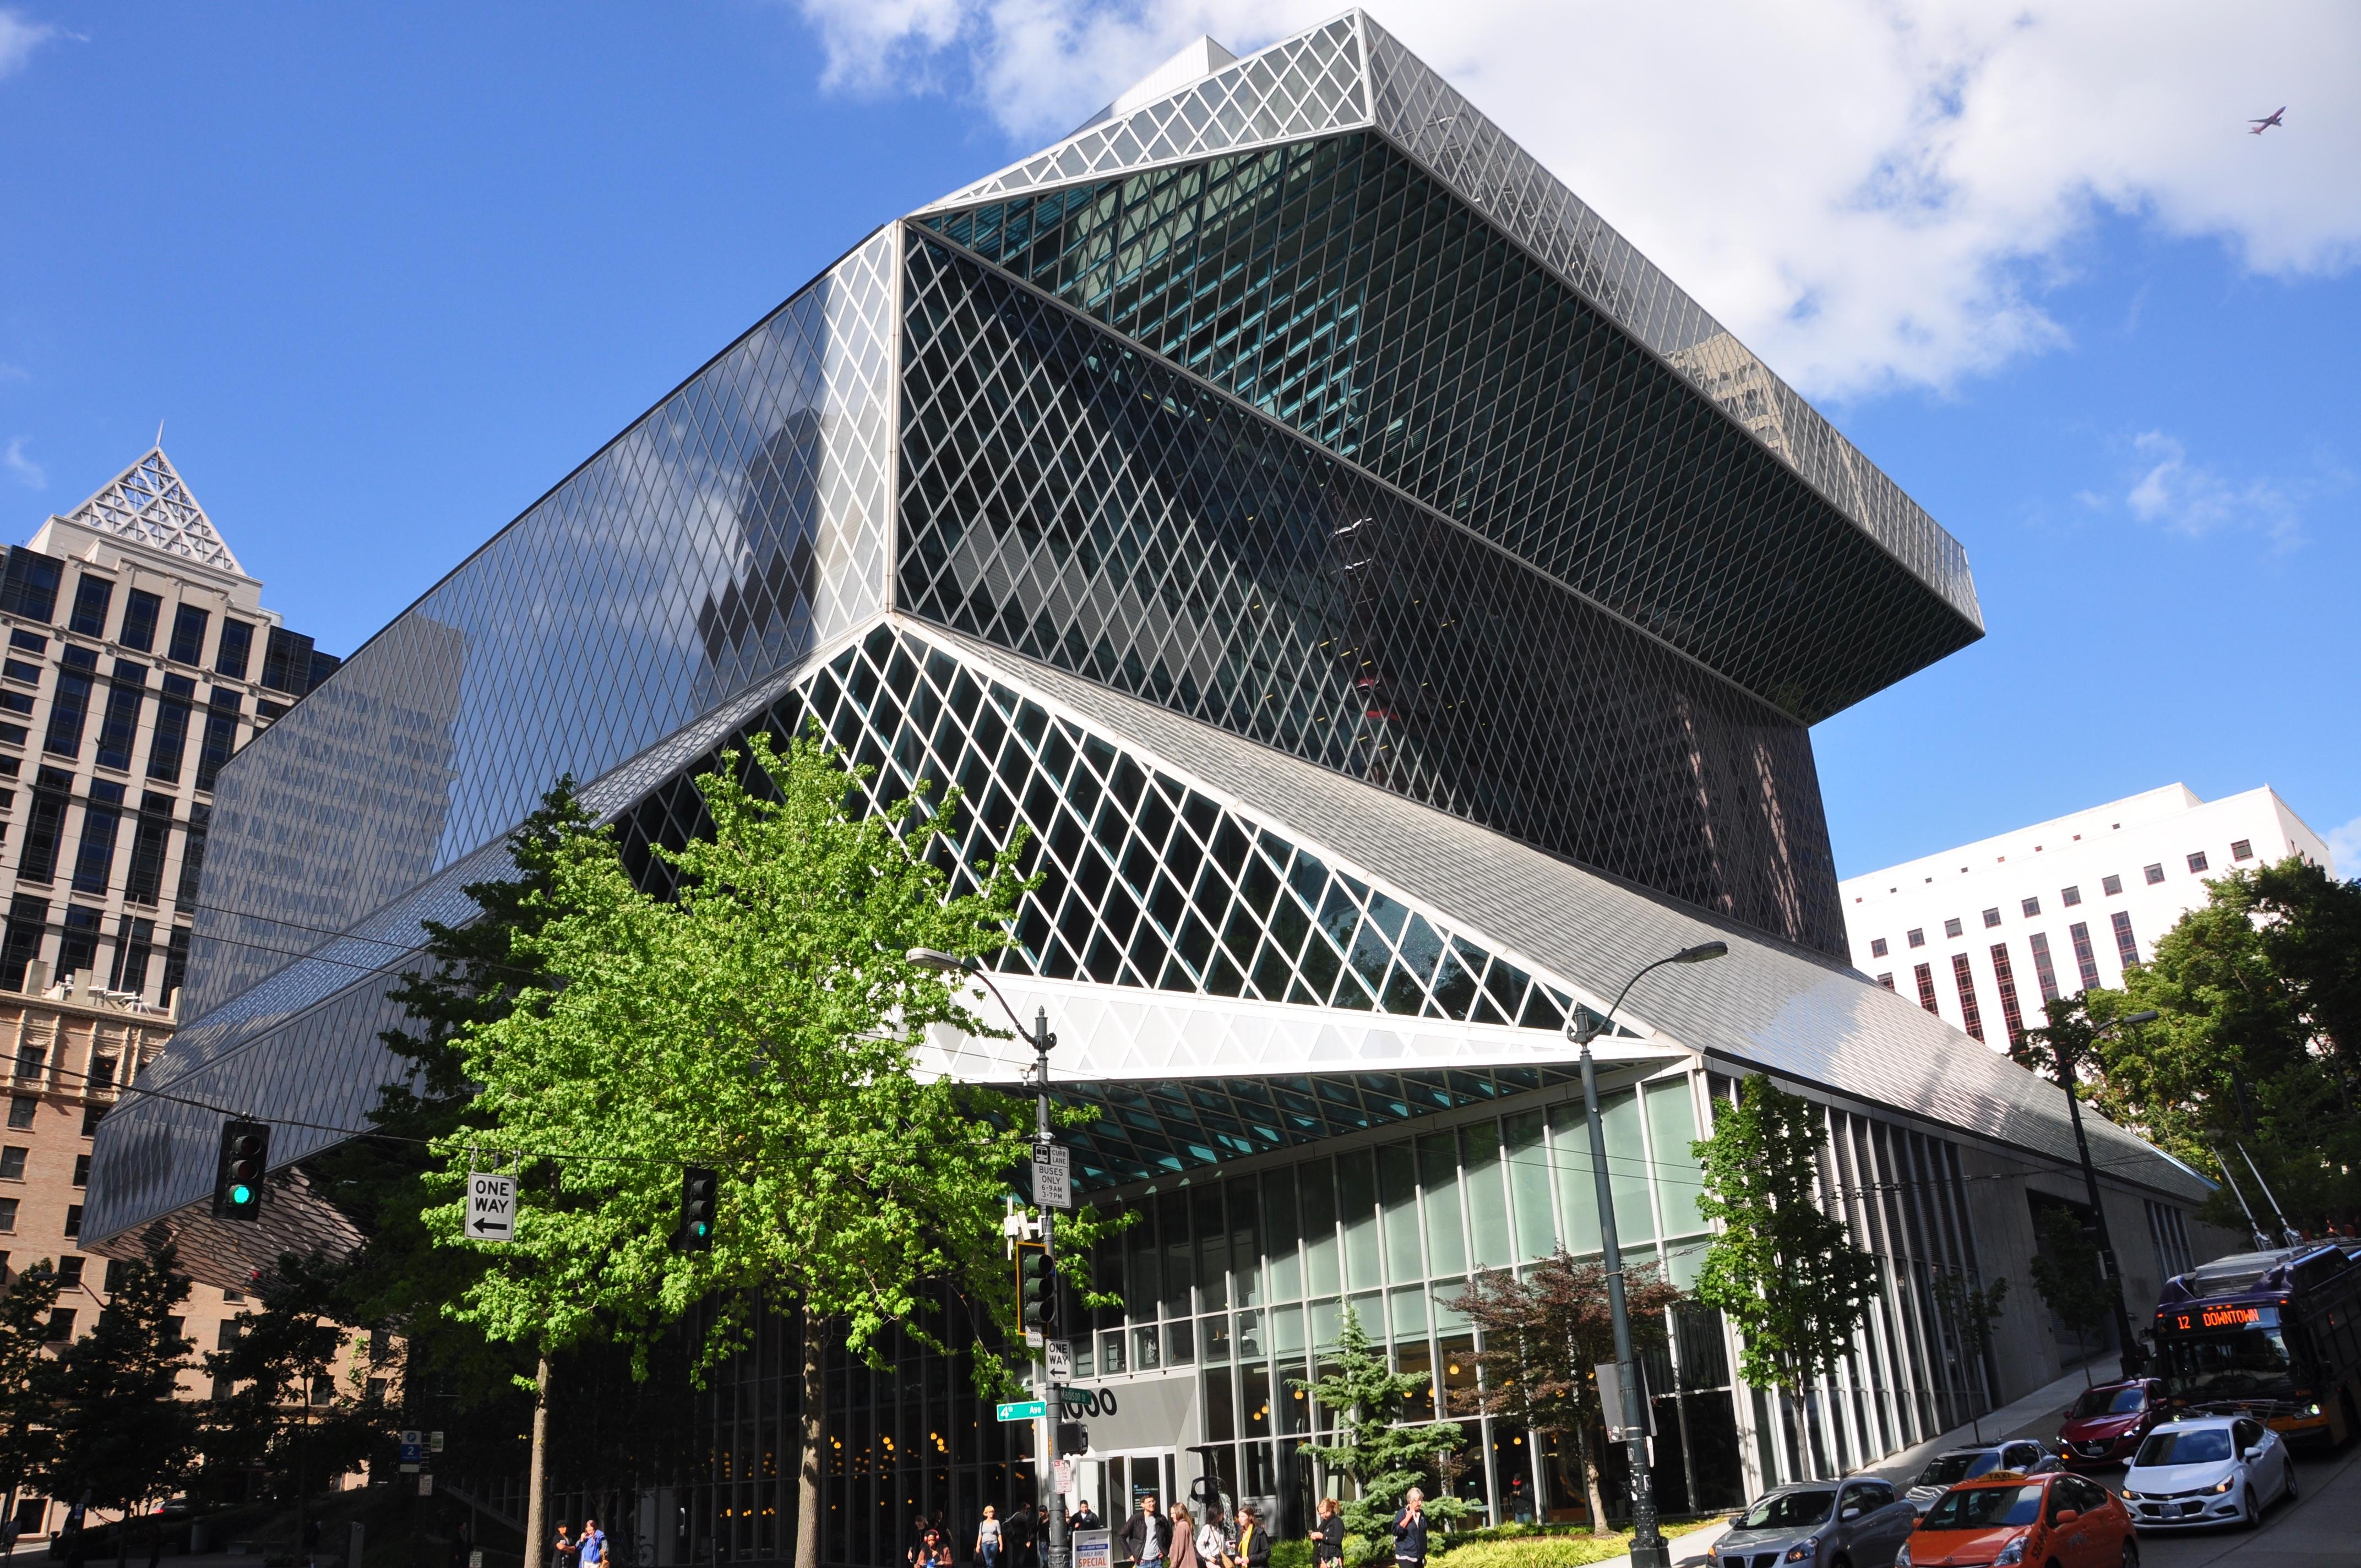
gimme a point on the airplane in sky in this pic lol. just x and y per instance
(2267, 121)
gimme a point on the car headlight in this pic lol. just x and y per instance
(2309, 1411)
(2227, 1482)
(2013, 1552)
(1803, 1551)
(1902, 1557)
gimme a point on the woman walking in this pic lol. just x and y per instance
(1328, 1536)
(1184, 1542)
(987, 1539)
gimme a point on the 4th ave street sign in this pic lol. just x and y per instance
(491, 1208)
(1024, 1410)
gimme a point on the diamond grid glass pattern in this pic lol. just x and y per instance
(735, 527)
(1068, 496)
(1339, 288)
(1301, 86)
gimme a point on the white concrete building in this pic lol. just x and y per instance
(1979, 936)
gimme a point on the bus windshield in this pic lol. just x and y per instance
(2221, 1366)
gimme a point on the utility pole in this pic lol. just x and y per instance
(1054, 1524)
(2133, 1360)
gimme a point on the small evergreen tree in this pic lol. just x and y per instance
(27, 1378)
(2065, 1274)
(1364, 1396)
(122, 1433)
(1545, 1334)
(1782, 1268)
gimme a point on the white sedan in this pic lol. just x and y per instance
(2207, 1470)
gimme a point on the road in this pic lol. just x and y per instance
(2321, 1530)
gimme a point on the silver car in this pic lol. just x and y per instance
(2024, 1455)
(1858, 1522)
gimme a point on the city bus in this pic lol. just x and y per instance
(2276, 1335)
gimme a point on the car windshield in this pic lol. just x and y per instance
(2253, 1361)
(1985, 1507)
(1789, 1510)
(2111, 1402)
(2199, 1445)
(1951, 1469)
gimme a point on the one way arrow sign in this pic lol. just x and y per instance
(491, 1207)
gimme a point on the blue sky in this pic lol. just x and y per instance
(386, 279)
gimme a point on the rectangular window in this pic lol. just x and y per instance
(93, 598)
(1918, 938)
(73, 1220)
(12, 1164)
(152, 835)
(176, 961)
(1877, 946)
(2126, 949)
(2111, 886)
(1887, 980)
(91, 1115)
(2069, 897)
(45, 822)
(94, 860)
(82, 1170)
(78, 949)
(118, 730)
(1951, 927)
(189, 635)
(140, 611)
(2153, 874)
(2086, 957)
(18, 670)
(1969, 1014)
(28, 641)
(29, 922)
(221, 738)
(192, 855)
(237, 650)
(1991, 918)
(135, 941)
(31, 1060)
(287, 661)
(28, 588)
(21, 1110)
(170, 743)
(1926, 977)
(2004, 976)
(2197, 863)
(2242, 848)
(2032, 907)
(2044, 973)
(8, 1213)
(69, 710)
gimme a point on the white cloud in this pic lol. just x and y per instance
(2345, 846)
(28, 472)
(18, 37)
(2193, 499)
(1871, 193)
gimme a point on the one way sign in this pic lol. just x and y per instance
(491, 1207)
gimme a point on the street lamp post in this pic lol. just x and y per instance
(2107, 1268)
(1648, 1547)
(1041, 1040)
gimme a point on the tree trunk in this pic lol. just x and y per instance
(536, 1506)
(1591, 1485)
(814, 1433)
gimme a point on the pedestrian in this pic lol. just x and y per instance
(1147, 1535)
(1211, 1542)
(565, 1553)
(1253, 1549)
(919, 1526)
(1328, 1536)
(1017, 1536)
(1409, 1530)
(987, 1539)
(593, 1544)
(1184, 1542)
(934, 1550)
(1086, 1517)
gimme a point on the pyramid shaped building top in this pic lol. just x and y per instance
(1350, 74)
(148, 503)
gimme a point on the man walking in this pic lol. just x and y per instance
(1409, 1532)
(1147, 1535)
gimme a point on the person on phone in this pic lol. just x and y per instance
(1409, 1530)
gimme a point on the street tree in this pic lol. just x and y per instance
(763, 1022)
(1780, 1267)
(121, 1433)
(1545, 1333)
(2065, 1274)
(1363, 1396)
(27, 1378)
(283, 1413)
(1970, 1310)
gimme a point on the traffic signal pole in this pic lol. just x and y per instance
(1054, 1523)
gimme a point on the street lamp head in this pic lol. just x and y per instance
(939, 961)
(2146, 1015)
(1701, 952)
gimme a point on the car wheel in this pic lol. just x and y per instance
(2287, 1492)
(2250, 1514)
(2131, 1552)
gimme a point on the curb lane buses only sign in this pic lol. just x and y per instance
(491, 1207)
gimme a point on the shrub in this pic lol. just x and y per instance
(1537, 1551)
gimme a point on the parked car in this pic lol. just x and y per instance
(1859, 1522)
(2003, 1518)
(2108, 1423)
(2024, 1455)
(2208, 1470)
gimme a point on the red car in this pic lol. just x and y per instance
(2001, 1519)
(2105, 1425)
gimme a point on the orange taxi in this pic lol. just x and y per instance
(2005, 1518)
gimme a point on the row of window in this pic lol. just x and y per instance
(2241, 850)
(2045, 974)
(116, 699)
(30, 585)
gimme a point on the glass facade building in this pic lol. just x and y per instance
(1395, 614)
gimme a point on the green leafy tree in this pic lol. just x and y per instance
(1544, 1335)
(1970, 1310)
(766, 1022)
(121, 1432)
(1364, 1396)
(27, 1378)
(282, 1413)
(2065, 1274)
(1784, 1270)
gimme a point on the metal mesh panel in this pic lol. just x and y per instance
(1073, 499)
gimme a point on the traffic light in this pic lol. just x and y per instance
(1074, 1438)
(699, 1188)
(1037, 1289)
(238, 1181)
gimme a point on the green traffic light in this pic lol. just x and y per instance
(241, 1194)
